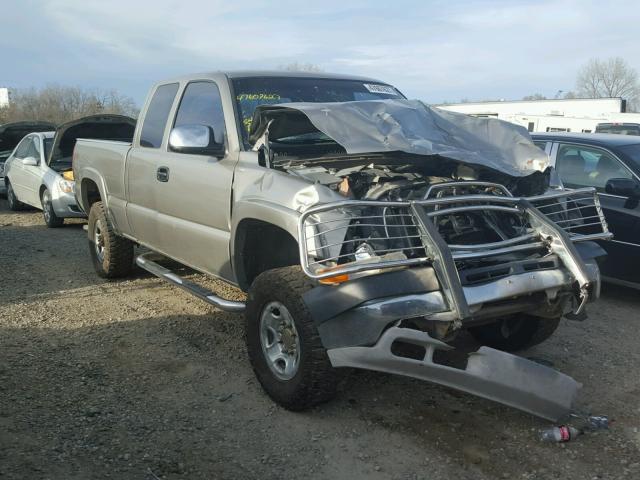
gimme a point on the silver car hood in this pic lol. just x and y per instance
(378, 126)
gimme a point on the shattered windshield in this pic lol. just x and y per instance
(251, 92)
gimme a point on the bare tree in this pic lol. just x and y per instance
(535, 96)
(60, 104)
(300, 67)
(612, 77)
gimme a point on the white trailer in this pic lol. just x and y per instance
(566, 115)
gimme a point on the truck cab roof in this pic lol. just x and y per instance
(233, 74)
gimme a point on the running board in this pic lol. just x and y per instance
(144, 261)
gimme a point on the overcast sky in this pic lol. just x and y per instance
(432, 50)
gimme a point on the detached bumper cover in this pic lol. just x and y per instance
(491, 374)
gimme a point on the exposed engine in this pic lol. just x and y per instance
(408, 182)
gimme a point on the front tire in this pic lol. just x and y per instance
(517, 332)
(283, 343)
(50, 218)
(112, 255)
(15, 205)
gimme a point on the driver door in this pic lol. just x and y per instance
(194, 197)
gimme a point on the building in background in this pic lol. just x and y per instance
(566, 115)
(4, 97)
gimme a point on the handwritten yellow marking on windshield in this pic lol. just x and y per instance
(258, 96)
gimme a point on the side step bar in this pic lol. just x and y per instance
(144, 261)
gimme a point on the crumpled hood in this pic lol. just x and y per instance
(377, 126)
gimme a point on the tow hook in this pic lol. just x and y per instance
(580, 313)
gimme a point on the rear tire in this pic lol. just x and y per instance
(50, 218)
(516, 332)
(15, 205)
(112, 255)
(283, 343)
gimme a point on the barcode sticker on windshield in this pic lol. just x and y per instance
(375, 88)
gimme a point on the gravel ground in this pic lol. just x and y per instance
(137, 380)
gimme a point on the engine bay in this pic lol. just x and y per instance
(381, 230)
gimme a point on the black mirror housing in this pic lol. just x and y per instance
(623, 187)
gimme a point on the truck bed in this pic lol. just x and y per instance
(105, 156)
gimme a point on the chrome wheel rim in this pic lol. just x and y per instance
(98, 240)
(46, 206)
(279, 340)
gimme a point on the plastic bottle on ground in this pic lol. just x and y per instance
(563, 433)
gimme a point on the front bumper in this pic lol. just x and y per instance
(489, 373)
(356, 313)
(364, 336)
(556, 268)
(65, 205)
(360, 320)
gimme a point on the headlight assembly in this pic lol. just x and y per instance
(66, 186)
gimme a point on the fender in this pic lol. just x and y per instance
(264, 211)
(89, 173)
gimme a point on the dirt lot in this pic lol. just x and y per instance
(135, 379)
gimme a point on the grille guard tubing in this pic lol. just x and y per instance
(543, 233)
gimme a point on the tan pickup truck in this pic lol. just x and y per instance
(368, 230)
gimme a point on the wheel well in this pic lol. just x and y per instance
(262, 246)
(42, 189)
(90, 194)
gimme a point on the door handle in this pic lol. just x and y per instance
(162, 174)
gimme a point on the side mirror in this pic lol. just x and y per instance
(195, 139)
(623, 187)
(30, 161)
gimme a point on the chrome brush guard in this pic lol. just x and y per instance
(404, 234)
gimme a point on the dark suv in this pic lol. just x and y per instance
(611, 164)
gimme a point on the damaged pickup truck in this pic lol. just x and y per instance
(367, 229)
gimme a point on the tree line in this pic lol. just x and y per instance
(598, 78)
(603, 78)
(60, 104)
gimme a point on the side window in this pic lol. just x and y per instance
(201, 105)
(157, 114)
(541, 144)
(582, 166)
(23, 148)
(33, 148)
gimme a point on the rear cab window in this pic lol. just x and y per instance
(155, 119)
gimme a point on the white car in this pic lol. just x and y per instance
(10, 136)
(31, 181)
(38, 172)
